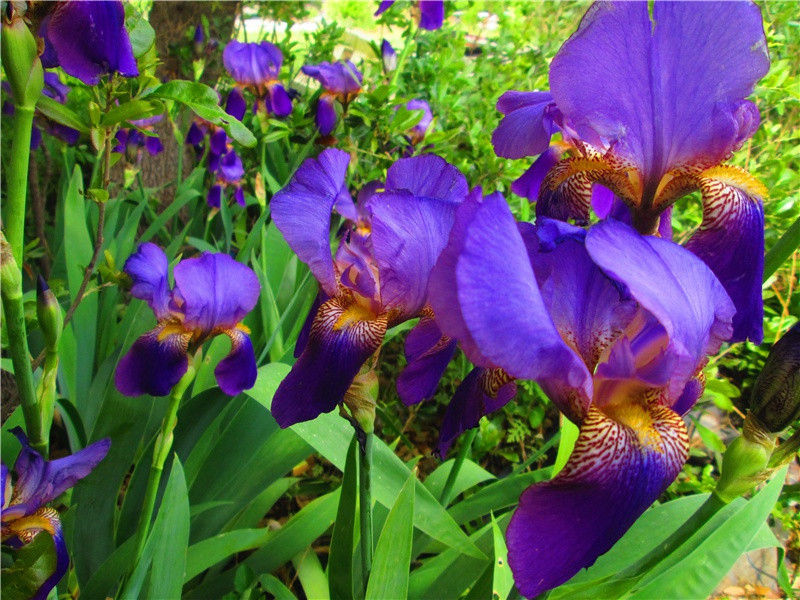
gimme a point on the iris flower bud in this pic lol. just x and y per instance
(362, 397)
(389, 57)
(745, 461)
(49, 313)
(21, 62)
(10, 277)
(775, 401)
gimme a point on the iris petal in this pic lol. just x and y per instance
(428, 176)
(342, 337)
(62, 559)
(154, 363)
(252, 63)
(237, 371)
(731, 242)
(525, 130)
(614, 473)
(431, 14)
(148, 268)
(428, 353)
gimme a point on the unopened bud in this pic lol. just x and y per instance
(10, 276)
(48, 311)
(745, 461)
(362, 397)
(21, 62)
(775, 401)
(389, 56)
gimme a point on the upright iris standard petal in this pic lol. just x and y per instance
(730, 241)
(154, 364)
(252, 63)
(526, 128)
(483, 391)
(237, 371)
(664, 91)
(88, 39)
(427, 176)
(431, 14)
(674, 286)
(148, 268)
(340, 78)
(343, 336)
(428, 352)
(302, 212)
(217, 291)
(612, 476)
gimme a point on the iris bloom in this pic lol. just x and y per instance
(615, 327)
(131, 141)
(378, 276)
(88, 39)
(340, 81)
(38, 481)
(257, 66)
(650, 108)
(431, 12)
(212, 295)
(417, 132)
(223, 161)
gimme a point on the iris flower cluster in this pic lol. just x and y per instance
(131, 141)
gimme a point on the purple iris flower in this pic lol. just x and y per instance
(88, 39)
(38, 481)
(131, 141)
(257, 66)
(340, 81)
(431, 12)
(212, 295)
(615, 327)
(378, 276)
(648, 109)
(229, 173)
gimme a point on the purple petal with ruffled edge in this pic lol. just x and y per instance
(428, 353)
(730, 241)
(40, 481)
(154, 364)
(526, 128)
(664, 94)
(563, 525)
(149, 269)
(431, 14)
(216, 290)
(383, 6)
(530, 182)
(237, 371)
(339, 343)
(235, 105)
(252, 63)
(676, 287)
(279, 102)
(418, 131)
(472, 401)
(428, 176)
(230, 169)
(500, 304)
(302, 212)
(408, 234)
(88, 39)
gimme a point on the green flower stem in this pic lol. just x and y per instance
(365, 500)
(161, 451)
(14, 312)
(17, 180)
(447, 491)
(401, 60)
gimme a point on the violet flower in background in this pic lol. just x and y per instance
(378, 276)
(257, 66)
(615, 327)
(88, 39)
(131, 141)
(417, 133)
(340, 81)
(651, 123)
(388, 56)
(229, 174)
(212, 294)
(431, 12)
(24, 511)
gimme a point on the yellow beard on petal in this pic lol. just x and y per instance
(636, 417)
(354, 313)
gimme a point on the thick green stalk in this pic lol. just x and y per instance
(20, 358)
(447, 491)
(161, 451)
(17, 180)
(365, 502)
